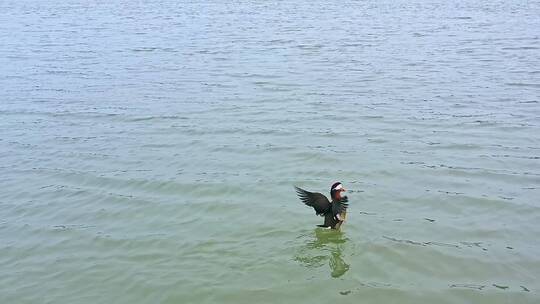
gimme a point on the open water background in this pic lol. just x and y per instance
(148, 151)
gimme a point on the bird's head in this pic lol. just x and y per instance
(335, 191)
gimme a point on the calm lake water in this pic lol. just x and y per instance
(149, 151)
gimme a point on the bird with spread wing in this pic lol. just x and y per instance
(334, 212)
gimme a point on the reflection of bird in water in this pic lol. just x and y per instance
(334, 211)
(337, 264)
(315, 252)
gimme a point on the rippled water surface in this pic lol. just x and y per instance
(149, 149)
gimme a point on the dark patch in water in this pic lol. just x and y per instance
(404, 241)
(501, 286)
(506, 198)
(450, 192)
(469, 286)
(75, 226)
(441, 244)
(430, 243)
(374, 285)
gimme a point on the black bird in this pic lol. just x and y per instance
(334, 211)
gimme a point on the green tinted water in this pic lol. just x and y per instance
(149, 151)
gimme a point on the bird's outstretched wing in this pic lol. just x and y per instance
(316, 200)
(340, 206)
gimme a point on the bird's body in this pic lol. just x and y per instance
(334, 211)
